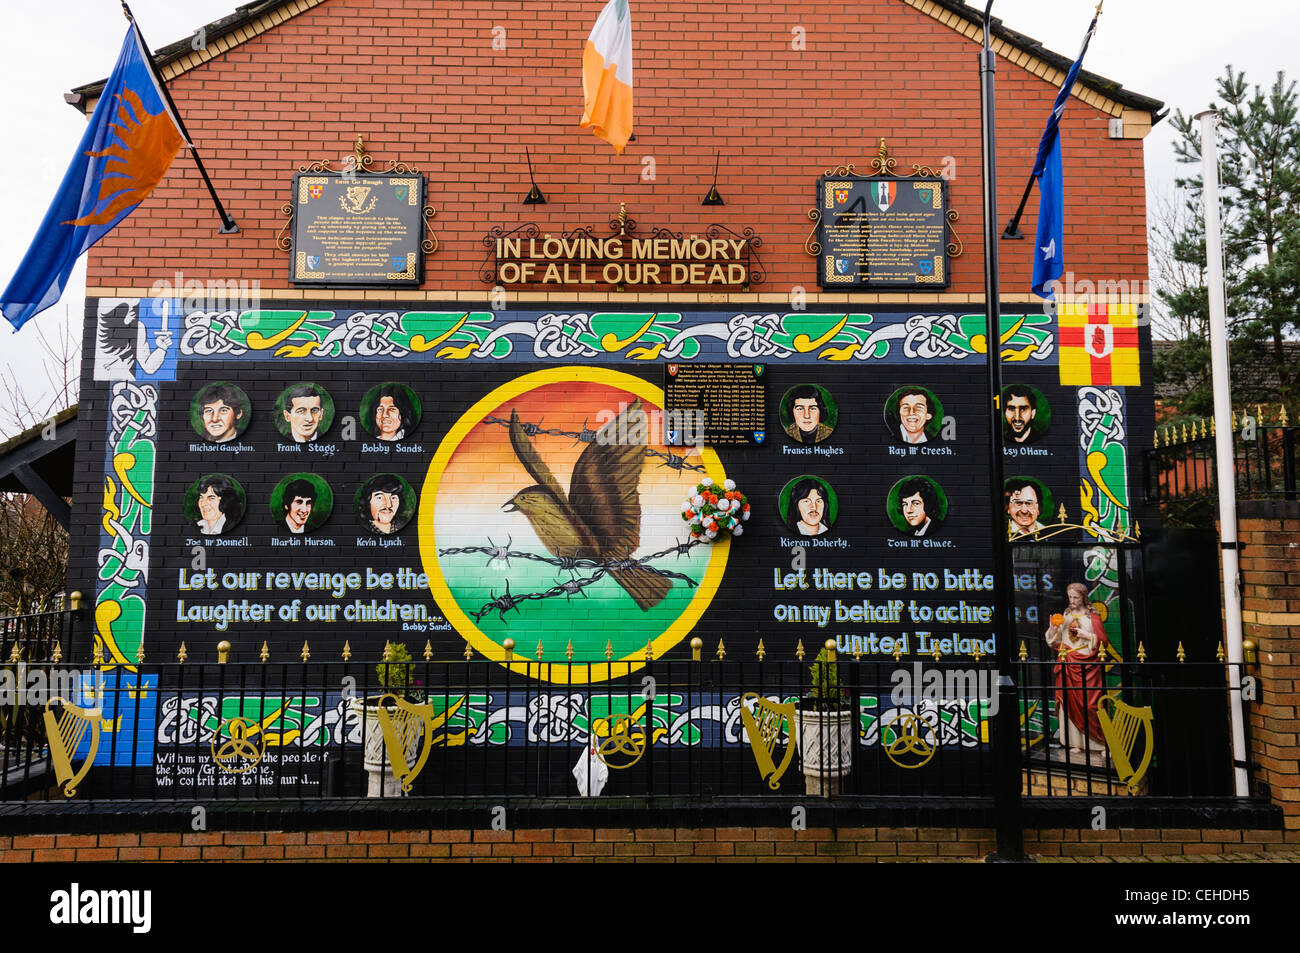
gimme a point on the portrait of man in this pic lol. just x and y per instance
(382, 501)
(919, 504)
(914, 415)
(809, 511)
(222, 412)
(393, 418)
(1024, 506)
(304, 410)
(806, 406)
(218, 503)
(299, 499)
(1020, 409)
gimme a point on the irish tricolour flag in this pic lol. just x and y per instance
(607, 75)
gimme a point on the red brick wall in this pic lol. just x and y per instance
(672, 845)
(420, 80)
(1270, 572)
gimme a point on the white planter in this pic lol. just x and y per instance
(826, 741)
(382, 781)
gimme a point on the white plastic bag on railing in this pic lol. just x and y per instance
(591, 773)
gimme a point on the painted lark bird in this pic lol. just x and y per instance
(600, 517)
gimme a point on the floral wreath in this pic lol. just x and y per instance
(710, 513)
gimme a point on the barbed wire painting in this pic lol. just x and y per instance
(557, 518)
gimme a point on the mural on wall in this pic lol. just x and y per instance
(126, 520)
(531, 472)
(611, 336)
(551, 515)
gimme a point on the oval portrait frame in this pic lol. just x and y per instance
(785, 412)
(405, 515)
(833, 502)
(196, 412)
(894, 506)
(893, 423)
(562, 674)
(191, 505)
(1046, 502)
(1042, 416)
(324, 493)
(371, 397)
(326, 417)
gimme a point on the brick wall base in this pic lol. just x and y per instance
(696, 845)
(1270, 602)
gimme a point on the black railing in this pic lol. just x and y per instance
(41, 637)
(469, 729)
(1181, 476)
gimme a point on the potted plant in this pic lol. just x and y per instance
(395, 673)
(824, 728)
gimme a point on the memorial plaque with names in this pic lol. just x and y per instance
(358, 230)
(730, 400)
(882, 232)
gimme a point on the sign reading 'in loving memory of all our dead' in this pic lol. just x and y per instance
(882, 232)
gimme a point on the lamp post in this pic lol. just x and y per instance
(1006, 724)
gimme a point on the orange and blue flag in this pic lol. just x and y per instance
(127, 148)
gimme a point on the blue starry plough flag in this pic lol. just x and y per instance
(128, 146)
(1049, 250)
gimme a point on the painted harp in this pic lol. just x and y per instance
(64, 734)
(402, 724)
(763, 726)
(1122, 729)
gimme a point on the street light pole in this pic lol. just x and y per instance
(1006, 724)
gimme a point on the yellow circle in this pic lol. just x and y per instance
(560, 674)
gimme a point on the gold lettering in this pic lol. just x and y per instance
(552, 274)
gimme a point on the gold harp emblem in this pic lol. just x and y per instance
(402, 726)
(1122, 728)
(63, 733)
(763, 727)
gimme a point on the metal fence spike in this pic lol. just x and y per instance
(347, 651)
(182, 654)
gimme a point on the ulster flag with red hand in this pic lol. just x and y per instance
(1099, 345)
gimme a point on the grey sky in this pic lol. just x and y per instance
(1172, 51)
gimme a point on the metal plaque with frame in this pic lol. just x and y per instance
(357, 230)
(882, 232)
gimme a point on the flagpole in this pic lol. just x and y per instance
(1223, 451)
(1013, 227)
(1006, 723)
(228, 226)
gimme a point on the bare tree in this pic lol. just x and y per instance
(1170, 219)
(31, 395)
(33, 546)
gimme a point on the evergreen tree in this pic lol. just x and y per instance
(1259, 171)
